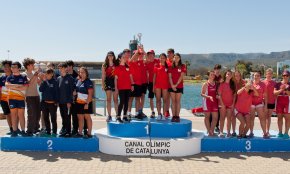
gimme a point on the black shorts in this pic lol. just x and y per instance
(144, 88)
(178, 90)
(109, 84)
(137, 91)
(150, 90)
(271, 106)
(81, 108)
(5, 107)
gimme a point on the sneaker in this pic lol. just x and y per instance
(53, 135)
(251, 135)
(73, 132)
(61, 131)
(234, 134)
(280, 135)
(139, 116)
(87, 136)
(67, 135)
(23, 134)
(221, 135)
(62, 134)
(177, 119)
(45, 135)
(159, 117)
(265, 136)
(229, 135)
(163, 118)
(109, 118)
(217, 129)
(29, 134)
(14, 134)
(143, 115)
(119, 120)
(173, 119)
(85, 131)
(240, 136)
(18, 131)
(285, 136)
(167, 114)
(152, 115)
(78, 135)
(125, 119)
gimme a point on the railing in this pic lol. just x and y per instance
(96, 99)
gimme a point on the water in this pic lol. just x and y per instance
(190, 99)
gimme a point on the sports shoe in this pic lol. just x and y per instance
(163, 118)
(14, 134)
(217, 129)
(221, 135)
(53, 135)
(280, 135)
(119, 120)
(109, 118)
(266, 136)
(125, 119)
(139, 116)
(234, 134)
(152, 115)
(177, 119)
(87, 136)
(167, 114)
(159, 117)
(78, 135)
(229, 135)
(143, 115)
(29, 134)
(251, 135)
(285, 136)
(23, 134)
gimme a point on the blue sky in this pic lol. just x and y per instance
(86, 30)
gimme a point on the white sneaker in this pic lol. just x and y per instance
(163, 117)
(159, 117)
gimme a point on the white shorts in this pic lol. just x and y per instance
(257, 106)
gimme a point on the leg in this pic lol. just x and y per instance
(214, 121)
(36, 112)
(207, 122)
(151, 104)
(137, 105)
(287, 123)
(130, 104)
(158, 100)
(280, 122)
(81, 123)
(229, 116)
(121, 103)
(115, 96)
(234, 120)
(223, 112)
(165, 102)
(268, 115)
(21, 118)
(109, 99)
(45, 111)
(14, 119)
(252, 115)
(248, 123)
(30, 120)
(178, 104)
(261, 115)
(242, 120)
(53, 117)
(126, 101)
(173, 106)
(89, 123)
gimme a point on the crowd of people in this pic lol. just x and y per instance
(124, 78)
(230, 97)
(130, 76)
(41, 92)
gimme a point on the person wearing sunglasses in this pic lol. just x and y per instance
(282, 91)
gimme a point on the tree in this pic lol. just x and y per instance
(187, 64)
(244, 67)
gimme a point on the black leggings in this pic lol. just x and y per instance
(124, 100)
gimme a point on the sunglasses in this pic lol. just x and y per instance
(285, 75)
(14, 66)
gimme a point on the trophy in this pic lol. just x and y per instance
(140, 46)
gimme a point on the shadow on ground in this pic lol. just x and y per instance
(204, 157)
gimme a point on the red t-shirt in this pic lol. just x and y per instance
(244, 102)
(135, 68)
(161, 80)
(143, 70)
(261, 88)
(226, 93)
(270, 85)
(110, 71)
(278, 87)
(123, 74)
(169, 63)
(150, 68)
(176, 73)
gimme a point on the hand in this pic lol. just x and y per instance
(132, 88)
(283, 87)
(103, 88)
(36, 73)
(68, 105)
(210, 98)
(86, 106)
(74, 93)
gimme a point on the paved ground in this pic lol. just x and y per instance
(47, 162)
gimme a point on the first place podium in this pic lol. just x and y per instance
(150, 138)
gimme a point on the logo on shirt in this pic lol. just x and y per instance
(179, 70)
(66, 82)
(127, 69)
(51, 85)
(166, 69)
(20, 81)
